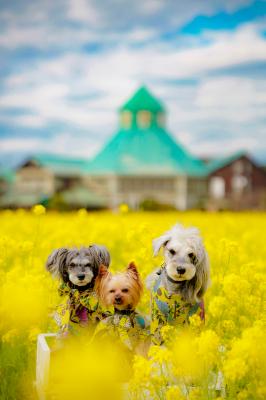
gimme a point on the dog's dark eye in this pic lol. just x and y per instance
(124, 290)
(192, 256)
(88, 265)
(172, 251)
(111, 291)
(72, 265)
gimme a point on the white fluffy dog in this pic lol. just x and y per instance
(178, 286)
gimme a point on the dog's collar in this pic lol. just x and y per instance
(89, 286)
(172, 280)
(163, 269)
(124, 312)
(169, 278)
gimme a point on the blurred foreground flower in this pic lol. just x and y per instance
(81, 370)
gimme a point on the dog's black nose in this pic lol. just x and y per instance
(81, 277)
(118, 299)
(181, 270)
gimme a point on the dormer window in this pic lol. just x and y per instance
(144, 119)
(126, 119)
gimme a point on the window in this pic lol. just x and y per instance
(239, 183)
(126, 119)
(217, 187)
(144, 119)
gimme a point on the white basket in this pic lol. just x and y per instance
(43, 364)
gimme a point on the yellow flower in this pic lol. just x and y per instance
(235, 369)
(231, 342)
(159, 354)
(38, 209)
(9, 336)
(208, 343)
(33, 333)
(195, 321)
(82, 212)
(174, 393)
(123, 208)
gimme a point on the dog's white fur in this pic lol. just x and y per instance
(186, 261)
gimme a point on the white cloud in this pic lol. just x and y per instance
(47, 87)
(242, 95)
(45, 24)
(102, 81)
(63, 144)
(224, 147)
(17, 144)
(84, 11)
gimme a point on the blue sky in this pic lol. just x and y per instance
(67, 65)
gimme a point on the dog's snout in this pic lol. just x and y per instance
(181, 270)
(81, 277)
(118, 299)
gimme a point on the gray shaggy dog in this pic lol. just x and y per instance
(77, 269)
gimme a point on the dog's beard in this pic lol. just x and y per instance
(76, 281)
(171, 269)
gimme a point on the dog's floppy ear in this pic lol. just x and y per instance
(103, 271)
(202, 275)
(159, 242)
(56, 262)
(199, 284)
(103, 254)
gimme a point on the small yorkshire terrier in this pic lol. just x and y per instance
(178, 286)
(122, 293)
(77, 270)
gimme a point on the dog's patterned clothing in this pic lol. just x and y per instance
(170, 309)
(77, 309)
(126, 326)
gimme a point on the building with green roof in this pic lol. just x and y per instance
(143, 161)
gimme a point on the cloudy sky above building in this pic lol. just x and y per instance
(67, 65)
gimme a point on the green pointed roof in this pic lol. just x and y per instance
(140, 149)
(143, 100)
(140, 152)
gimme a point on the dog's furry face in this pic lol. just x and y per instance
(78, 266)
(185, 258)
(180, 260)
(122, 290)
(81, 267)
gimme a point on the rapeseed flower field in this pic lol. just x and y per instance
(224, 359)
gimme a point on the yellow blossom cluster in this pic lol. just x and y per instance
(224, 359)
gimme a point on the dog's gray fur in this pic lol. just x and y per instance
(70, 264)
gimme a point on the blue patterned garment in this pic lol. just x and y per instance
(170, 309)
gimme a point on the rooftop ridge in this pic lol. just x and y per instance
(143, 99)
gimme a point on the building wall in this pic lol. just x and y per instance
(34, 180)
(197, 192)
(134, 190)
(244, 185)
(178, 192)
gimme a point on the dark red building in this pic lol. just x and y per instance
(237, 182)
